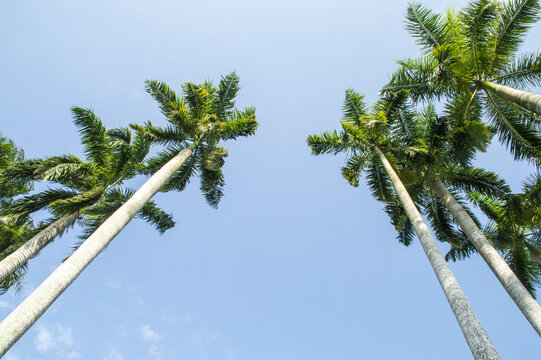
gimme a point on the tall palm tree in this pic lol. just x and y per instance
(470, 58)
(85, 188)
(199, 121)
(425, 148)
(365, 137)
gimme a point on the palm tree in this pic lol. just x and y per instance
(198, 122)
(86, 188)
(366, 138)
(470, 58)
(426, 149)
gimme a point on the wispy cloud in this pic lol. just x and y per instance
(151, 336)
(114, 354)
(112, 284)
(57, 339)
(148, 334)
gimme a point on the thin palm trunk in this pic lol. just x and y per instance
(525, 99)
(30, 310)
(476, 337)
(33, 246)
(524, 300)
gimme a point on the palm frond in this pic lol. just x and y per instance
(469, 179)
(514, 19)
(524, 71)
(93, 134)
(36, 202)
(76, 203)
(329, 142)
(478, 18)
(515, 133)
(212, 183)
(240, 123)
(354, 106)
(170, 135)
(155, 216)
(425, 26)
(198, 98)
(355, 164)
(227, 91)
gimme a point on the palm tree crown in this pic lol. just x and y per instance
(470, 59)
(201, 119)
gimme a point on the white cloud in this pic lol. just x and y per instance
(112, 284)
(45, 339)
(114, 354)
(58, 339)
(148, 334)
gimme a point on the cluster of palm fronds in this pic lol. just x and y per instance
(88, 192)
(470, 67)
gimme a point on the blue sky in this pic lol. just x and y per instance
(296, 263)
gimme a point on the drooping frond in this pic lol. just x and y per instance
(155, 216)
(425, 26)
(461, 252)
(528, 271)
(442, 222)
(212, 183)
(400, 221)
(515, 17)
(515, 132)
(76, 203)
(182, 177)
(469, 179)
(355, 164)
(378, 181)
(93, 134)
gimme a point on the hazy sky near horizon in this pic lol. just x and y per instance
(295, 263)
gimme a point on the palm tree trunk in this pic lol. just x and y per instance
(476, 337)
(33, 246)
(525, 99)
(30, 310)
(524, 300)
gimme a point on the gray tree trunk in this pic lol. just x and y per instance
(476, 337)
(524, 300)
(30, 310)
(33, 246)
(525, 99)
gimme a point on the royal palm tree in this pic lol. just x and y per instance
(470, 58)
(365, 136)
(198, 122)
(425, 151)
(86, 188)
